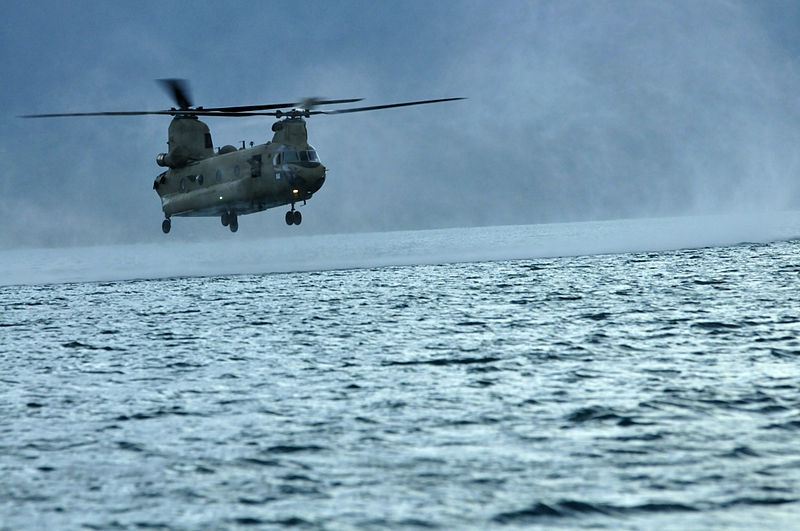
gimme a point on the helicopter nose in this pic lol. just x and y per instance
(313, 178)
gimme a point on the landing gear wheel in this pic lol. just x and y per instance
(290, 217)
(166, 225)
(298, 217)
(225, 218)
(233, 224)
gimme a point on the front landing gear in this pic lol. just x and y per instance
(294, 217)
(166, 225)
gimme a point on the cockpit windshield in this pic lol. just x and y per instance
(289, 157)
(308, 156)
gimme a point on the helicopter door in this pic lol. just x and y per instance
(276, 163)
(255, 166)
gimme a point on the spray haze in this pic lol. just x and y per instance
(576, 111)
(635, 109)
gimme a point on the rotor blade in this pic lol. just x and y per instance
(179, 90)
(235, 114)
(247, 108)
(111, 113)
(240, 111)
(208, 112)
(170, 112)
(389, 106)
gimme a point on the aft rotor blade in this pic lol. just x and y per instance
(170, 112)
(179, 90)
(389, 106)
(111, 113)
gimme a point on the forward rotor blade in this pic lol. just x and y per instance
(212, 112)
(389, 106)
(250, 108)
(179, 90)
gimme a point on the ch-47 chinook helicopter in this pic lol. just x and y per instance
(232, 182)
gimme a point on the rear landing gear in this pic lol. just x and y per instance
(230, 220)
(166, 225)
(294, 217)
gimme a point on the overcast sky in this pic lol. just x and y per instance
(576, 110)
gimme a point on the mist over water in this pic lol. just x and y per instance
(354, 251)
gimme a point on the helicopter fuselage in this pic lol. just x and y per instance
(234, 182)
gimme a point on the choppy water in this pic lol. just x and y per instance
(657, 390)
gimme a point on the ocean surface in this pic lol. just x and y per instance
(616, 375)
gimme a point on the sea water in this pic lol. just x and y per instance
(474, 388)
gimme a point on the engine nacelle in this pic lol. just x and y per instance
(177, 158)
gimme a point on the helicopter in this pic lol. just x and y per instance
(230, 181)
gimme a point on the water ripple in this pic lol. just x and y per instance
(614, 391)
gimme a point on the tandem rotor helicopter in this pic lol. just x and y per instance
(232, 182)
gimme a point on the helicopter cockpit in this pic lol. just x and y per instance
(307, 158)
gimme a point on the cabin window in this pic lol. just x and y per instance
(183, 184)
(236, 171)
(219, 176)
(290, 156)
(200, 180)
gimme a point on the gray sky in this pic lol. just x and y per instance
(576, 110)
